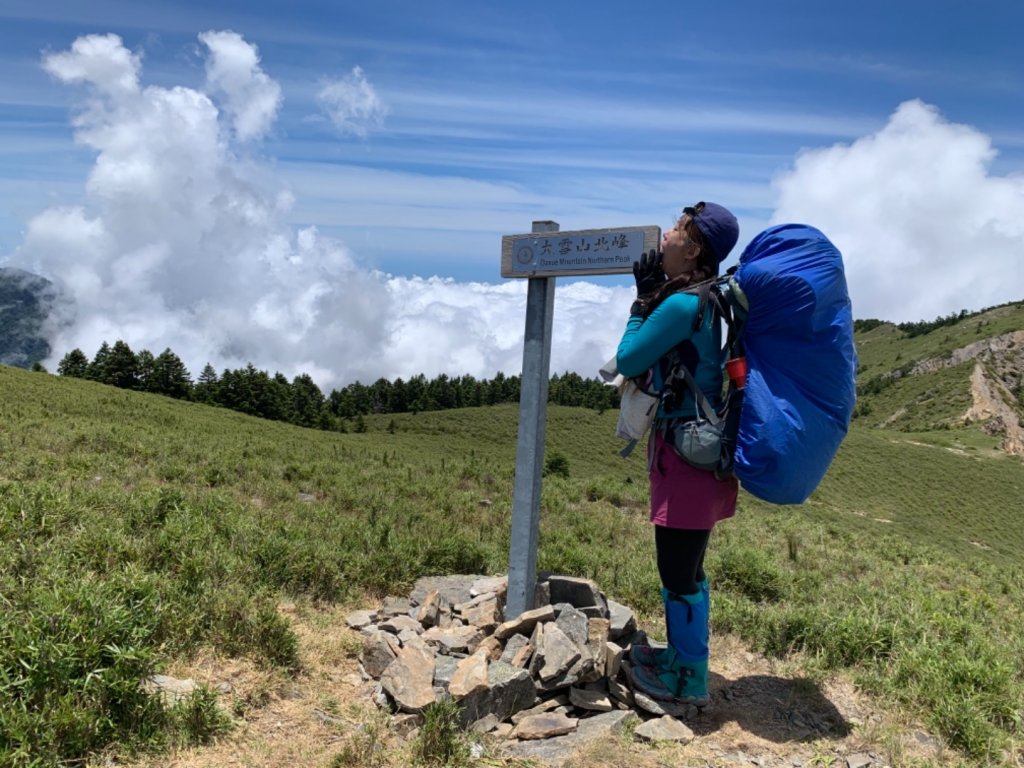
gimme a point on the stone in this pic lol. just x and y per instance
(508, 690)
(593, 701)
(573, 623)
(409, 679)
(525, 622)
(444, 669)
(412, 640)
(395, 606)
(621, 693)
(474, 602)
(377, 653)
(470, 676)
(408, 635)
(492, 646)
(612, 659)
(623, 621)
(557, 653)
(578, 670)
(541, 594)
(453, 589)
(484, 615)
(170, 689)
(658, 707)
(400, 623)
(497, 585)
(405, 724)
(503, 730)
(605, 724)
(859, 761)
(637, 637)
(575, 591)
(597, 637)
(522, 657)
(360, 619)
(544, 726)
(664, 729)
(485, 724)
(464, 639)
(557, 751)
(513, 646)
(539, 709)
(430, 609)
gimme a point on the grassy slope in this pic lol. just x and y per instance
(184, 523)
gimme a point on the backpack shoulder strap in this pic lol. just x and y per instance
(703, 293)
(678, 370)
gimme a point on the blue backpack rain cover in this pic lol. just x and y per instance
(802, 362)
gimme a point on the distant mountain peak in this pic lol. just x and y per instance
(26, 300)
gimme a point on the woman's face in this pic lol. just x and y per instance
(680, 252)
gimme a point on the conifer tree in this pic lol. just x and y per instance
(170, 376)
(205, 390)
(307, 401)
(97, 369)
(146, 367)
(73, 364)
(123, 366)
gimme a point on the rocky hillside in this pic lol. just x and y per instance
(967, 374)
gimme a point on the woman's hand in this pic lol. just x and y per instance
(648, 274)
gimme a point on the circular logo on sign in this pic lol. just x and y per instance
(524, 255)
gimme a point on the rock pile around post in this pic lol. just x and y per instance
(543, 681)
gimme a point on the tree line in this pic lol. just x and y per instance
(301, 402)
(922, 327)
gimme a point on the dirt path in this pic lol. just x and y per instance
(763, 713)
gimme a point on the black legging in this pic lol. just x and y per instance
(680, 558)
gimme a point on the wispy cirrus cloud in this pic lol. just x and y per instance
(352, 104)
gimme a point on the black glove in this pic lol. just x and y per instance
(648, 274)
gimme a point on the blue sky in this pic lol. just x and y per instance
(452, 123)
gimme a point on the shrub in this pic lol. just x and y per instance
(440, 740)
(556, 464)
(749, 571)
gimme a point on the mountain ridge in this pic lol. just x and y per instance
(26, 301)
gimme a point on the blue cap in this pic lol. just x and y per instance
(718, 225)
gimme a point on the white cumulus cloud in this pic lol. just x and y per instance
(180, 244)
(233, 70)
(924, 225)
(101, 60)
(352, 104)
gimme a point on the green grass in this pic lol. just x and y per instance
(137, 529)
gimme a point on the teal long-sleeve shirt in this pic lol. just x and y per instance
(646, 342)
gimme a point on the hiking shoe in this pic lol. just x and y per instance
(670, 684)
(646, 656)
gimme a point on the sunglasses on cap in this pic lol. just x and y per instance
(694, 210)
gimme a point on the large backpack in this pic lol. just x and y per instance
(789, 318)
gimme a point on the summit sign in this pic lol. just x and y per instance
(582, 252)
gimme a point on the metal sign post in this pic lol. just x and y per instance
(541, 256)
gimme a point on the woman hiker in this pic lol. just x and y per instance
(685, 502)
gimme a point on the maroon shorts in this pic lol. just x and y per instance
(686, 497)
